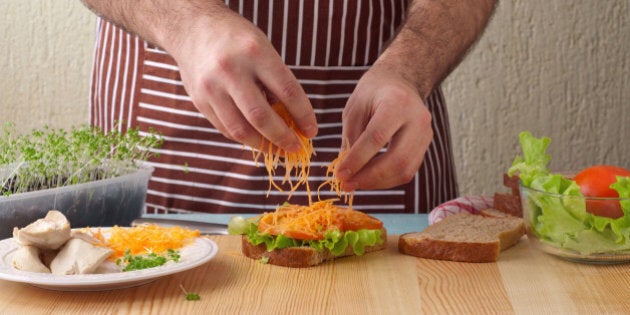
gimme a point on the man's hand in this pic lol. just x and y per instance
(228, 66)
(230, 70)
(387, 108)
(384, 111)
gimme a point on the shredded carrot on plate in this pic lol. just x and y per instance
(147, 238)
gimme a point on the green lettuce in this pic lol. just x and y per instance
(557, 210)
(334, 240)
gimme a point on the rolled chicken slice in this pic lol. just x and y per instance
(26, 258)
(51, 232)
(79, 257)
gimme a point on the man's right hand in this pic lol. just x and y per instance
(230, 70)
(228, 66)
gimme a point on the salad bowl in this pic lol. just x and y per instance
(563, 225)
(584, 218)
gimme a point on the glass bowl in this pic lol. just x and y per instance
(562, 225)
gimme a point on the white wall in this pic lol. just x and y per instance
(559, 68)
(45, 60)
(555, 67)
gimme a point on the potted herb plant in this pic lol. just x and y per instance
(95, 179)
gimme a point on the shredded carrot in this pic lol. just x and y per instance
(312, 222)
(297, 165)
(334, 182)
(147, 238)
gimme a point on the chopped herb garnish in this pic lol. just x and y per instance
(137, 262)
(189, 295)
(192, 297)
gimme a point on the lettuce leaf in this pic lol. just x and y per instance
(533, 163)
(557, 210)
(334, 240)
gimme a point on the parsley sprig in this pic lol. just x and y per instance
(189, 295)
(150, 260)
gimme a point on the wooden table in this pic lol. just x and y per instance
(524, 281)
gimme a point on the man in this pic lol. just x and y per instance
(358, 74)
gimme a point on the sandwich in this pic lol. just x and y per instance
(304, 236)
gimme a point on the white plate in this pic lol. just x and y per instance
(193, 255)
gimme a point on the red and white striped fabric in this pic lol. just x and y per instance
(470, 204)
(327, 44)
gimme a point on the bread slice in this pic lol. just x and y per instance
(509, 202)
(464, 237)
(300, 257)
(494, 213)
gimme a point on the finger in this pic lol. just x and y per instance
(205, 108)
(378, 132)
(281, 82)
(253, 105)
(398, 165)
(354, 121)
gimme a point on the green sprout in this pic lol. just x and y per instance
(52, 158)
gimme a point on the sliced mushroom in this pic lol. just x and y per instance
(26, 258)
(51, 232)
(79, 257)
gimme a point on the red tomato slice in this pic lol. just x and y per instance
(356, 220)
(595, 181)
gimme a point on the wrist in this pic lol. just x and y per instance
(175, 28)
(418, 74)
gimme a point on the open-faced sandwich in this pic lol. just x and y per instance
(304, 236)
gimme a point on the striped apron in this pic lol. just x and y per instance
(328, 44)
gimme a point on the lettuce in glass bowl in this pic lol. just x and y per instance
(557, 215)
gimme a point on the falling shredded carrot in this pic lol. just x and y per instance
(334, 182)
(297, 165)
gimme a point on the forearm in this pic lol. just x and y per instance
(434, 38)
(160, 22)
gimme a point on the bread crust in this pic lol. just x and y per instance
(446, 250)
(509, 202)
(300, 257)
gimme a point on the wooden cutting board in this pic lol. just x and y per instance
(524, 281)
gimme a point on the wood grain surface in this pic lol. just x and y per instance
(524, 281)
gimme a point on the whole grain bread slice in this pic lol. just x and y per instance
(464, 237)
(300, 257)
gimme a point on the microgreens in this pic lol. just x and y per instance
(52, 158)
